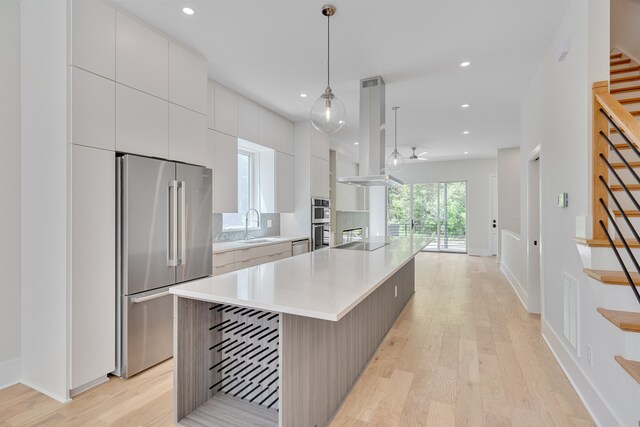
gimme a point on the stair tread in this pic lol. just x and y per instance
(631, 187)
(625, 79)
(625, 89)
(631, 366)
(612, 277)
(620, 62)
(604, 243)
(626, 70)
(629, 212)
(623, 146)
(625, 320)
(615, 55)
(625, 101)
(620, 165)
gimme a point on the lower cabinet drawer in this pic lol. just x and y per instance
(251, 262)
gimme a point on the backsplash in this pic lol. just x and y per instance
(350, 219)
(230, 236)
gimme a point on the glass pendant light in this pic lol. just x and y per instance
(395, 160)
(328, 114)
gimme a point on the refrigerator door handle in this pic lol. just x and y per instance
(172, 251)
(150, 297)
(182, 221)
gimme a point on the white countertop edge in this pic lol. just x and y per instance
(234, 245)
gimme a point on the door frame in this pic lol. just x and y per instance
(535, 285)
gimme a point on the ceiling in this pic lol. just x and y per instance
(271, 51)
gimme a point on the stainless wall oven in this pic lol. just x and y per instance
(320, 235)
(320, 210)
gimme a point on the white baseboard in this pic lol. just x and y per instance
(596, 405)
(515, 284)
(10, 373)
(61, 399)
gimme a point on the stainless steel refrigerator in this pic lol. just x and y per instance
(163, 238)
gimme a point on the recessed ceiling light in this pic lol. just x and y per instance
(187, 11)
(465, 64)
(466, 132)
(303, 95)
(465, 105)
(356, 143)
(466, 152)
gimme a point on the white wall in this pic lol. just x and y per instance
(10, 245)
(513, 262)
(625, 26)
(45, 196)
(508, 192)
(556, 114)
(477, 173)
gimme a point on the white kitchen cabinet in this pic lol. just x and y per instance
(93, 37)
(319, 143)
(268, 128)
(225, 172)
(285, 141)
(187, 135)
(142, 57)
(225, 113)
(224, 262)
(142, 123)
(319, 177)
(248, 120)
(284, 182)
(187, 79)
(92, 270)
(93, 108)
(211, 104)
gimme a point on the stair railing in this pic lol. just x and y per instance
(607, 111)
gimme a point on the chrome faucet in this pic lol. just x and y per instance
(246, 222)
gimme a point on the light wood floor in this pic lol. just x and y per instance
(463, 352)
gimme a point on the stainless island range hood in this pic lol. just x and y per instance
(371, 137)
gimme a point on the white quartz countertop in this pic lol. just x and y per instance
(324, 284)
(220, 247)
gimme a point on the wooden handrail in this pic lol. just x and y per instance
(623, 118)
(599, 168)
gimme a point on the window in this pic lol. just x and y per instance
(247, 191)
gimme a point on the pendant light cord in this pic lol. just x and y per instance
(328, 48)
(395, 131)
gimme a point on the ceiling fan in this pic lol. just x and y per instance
(418, 156)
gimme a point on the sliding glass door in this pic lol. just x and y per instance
(436, 210)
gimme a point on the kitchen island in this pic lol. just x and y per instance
(283, 343)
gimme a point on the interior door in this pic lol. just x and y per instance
(144, 225)
(494, 215)
(194, 222)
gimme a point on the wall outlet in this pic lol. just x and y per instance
(395, 290)
(269, 223)
(590, 355)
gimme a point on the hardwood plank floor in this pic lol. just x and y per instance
(463, 353)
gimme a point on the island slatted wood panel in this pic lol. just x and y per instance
(321, 360)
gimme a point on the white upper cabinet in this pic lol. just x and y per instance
(93, 108)
(268, 128)
(225, 172)
(211, 104)
(142, 57)
(187, 136)
(225, 111)
(187, 79)
(319, 144)
(142, 123)
(285, 182)
(319, 177)
(285, 141)
(93, 42)
(248, 120)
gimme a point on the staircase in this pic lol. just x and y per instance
(612, 256)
